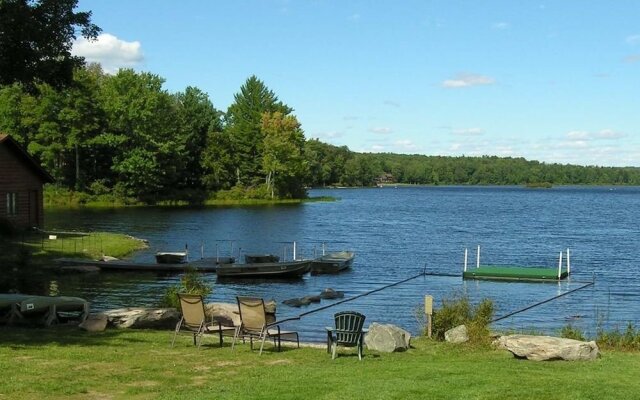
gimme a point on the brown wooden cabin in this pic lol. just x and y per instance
(21, 180)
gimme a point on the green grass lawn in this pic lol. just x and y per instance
(92, 245)
(64, 362)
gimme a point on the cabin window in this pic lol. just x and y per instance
(11, 203)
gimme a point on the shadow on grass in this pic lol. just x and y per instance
(62, 335)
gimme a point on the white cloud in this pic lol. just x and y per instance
(330, 135)
(381, 130)
(500, 26)
(405, 144)
(112, 53)
(467, 132)
(577, 135)
(633, 39)
(468, 80)
(633, 58)
(609, 134)
(584, 136)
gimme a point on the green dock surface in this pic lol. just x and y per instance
(513, 273)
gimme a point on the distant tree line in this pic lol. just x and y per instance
(123, 135)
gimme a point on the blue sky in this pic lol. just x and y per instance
(554, 81)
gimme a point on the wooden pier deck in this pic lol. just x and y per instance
(202, 265)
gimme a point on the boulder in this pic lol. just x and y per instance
(270, 306)
(310, 299)
(94, 323)
(330, 294)
(143, 318)
(108, 258)
(297, 302)
(225, 313)
(543, 348)
(457, 335)
(387, 338)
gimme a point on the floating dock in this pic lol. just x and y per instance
(516, 273)
(203, 265)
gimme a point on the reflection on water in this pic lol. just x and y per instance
(395, 233)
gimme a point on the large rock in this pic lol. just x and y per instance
(225, 313)
(457, 335)
(542, 348)
(143, 318)
(330, 294)
(387, 338)
(94, 323)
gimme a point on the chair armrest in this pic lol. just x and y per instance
(329, 328)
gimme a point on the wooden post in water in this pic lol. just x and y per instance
(478, 258)
(201, 250)
(428, 310)
(323, 248)
(568, 262)
(560, 266)
(294, 250)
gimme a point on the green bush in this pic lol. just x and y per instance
(458, 310)
(570, 332)
(615, 339)
(192, 283)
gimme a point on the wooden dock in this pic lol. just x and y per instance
(202, 265)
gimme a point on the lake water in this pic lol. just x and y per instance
(396, 233)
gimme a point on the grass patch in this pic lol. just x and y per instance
(24, 257)
(66, 363)
(80, 245)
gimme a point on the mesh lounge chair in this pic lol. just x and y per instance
(194, 320)
(348, 332)
(255, 323)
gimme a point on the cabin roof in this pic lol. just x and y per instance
(26, 158)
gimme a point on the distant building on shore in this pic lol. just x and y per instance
(21, 181)
(385, 179)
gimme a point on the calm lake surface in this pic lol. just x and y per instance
(395, 233)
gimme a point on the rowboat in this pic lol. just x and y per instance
(176, 257)
(286, 269)
(332, 263)
(261, 258)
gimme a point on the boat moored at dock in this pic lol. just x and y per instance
(332, 263)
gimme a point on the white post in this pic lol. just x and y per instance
(323, 249)
(560, 265)
(186, 251)
(465, 259)
(568, 262)
(294, 251)
(218, 253)
(201, 250)
(478, 258)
